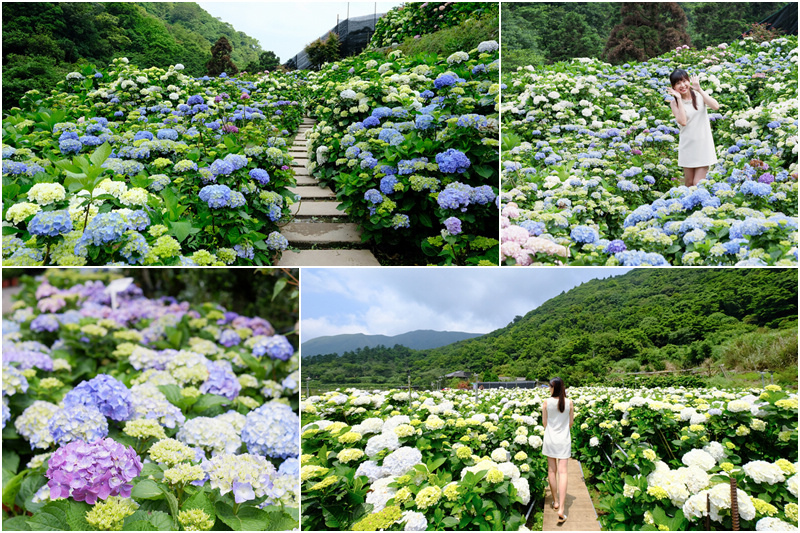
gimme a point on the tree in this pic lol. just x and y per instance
(648, 29)
(266, 61)
(221, 58)
(323, 50)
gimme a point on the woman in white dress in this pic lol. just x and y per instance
(557, 417)
(696, 150)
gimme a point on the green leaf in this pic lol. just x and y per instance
(248, 518)
(29, 487)
(76, 516)
(173, 394)
(279, 521)
(146, 489)
(279, 285)
(172, 501)
(8, 230)
(450, 522)
(257, 367)
(16, 523)
(207, 401)
(100, 155)
(53, 517)
(484, 171)
(200, 501)
(148, 521)
(10, 461)
(11, 488)
(183, 229)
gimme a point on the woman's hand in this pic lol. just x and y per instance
(695, 81)
(673, 93)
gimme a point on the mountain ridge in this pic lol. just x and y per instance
(419, 339)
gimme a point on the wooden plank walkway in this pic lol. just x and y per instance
(580, 512)
(317, 224)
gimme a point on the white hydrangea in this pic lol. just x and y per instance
(764, 472)
(699, 458)
(368, 426)
(414, 521)
(535, 441)
(715, 449)
(509, 470)
(401, 461)
(501, 455)
(457, 57)
(371, 469)
(523, 489)
(772, 524)
(488, 47)
(381, 492)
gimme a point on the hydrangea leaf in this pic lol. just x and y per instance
(280, 521)
(208, 401)
(146, 489)
(200, 501)
(148, 521)
(51, 517)
(247, 519)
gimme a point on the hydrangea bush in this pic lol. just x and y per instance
(408, 143)
(590, 174)
(453, 460)
(148, 415)
(149, 167)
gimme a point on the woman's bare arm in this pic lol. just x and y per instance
(571, 413)
(544, 414)
(677, 107)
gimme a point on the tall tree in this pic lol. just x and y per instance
(648, 29)
(221, 58)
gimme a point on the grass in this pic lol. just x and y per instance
(464, 37)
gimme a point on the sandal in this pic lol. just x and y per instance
(554, 505)
(562, 518)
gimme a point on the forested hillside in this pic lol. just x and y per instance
(529, 35)
(644, 320)
(43, 41)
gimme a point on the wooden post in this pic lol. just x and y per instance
(708, 512)
(734, 506)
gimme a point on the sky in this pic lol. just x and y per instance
(287, 27)
(390, 301)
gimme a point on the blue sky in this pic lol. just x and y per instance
(390, 301)
(287, 27)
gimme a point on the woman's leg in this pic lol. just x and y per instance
(552, 468)
(688, 176)
(562, 484)
(700, 174)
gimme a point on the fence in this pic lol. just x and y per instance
(354, 35)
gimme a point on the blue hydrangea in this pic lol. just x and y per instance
(221, 167)
(453, 198)
(136, 249)
(639, 258)
(276, 241)
(195, 99)
(245, 250)
(696, 235)
(391, 136)
(371, 122)
(229, 338)
(453, 225)
(138, 220)
(400, 221)
(238, 161)
(444, 80)
(260, 175)
(108, 395)
(70, 146)
(102, 229)
(221, 380)
(237, 199)
(471, 120)
(78, 422)
(482, 195)
(533, 228)
(276, 346)
(373, 196)
(91, 140)
(146, 135)
(452, 161)
(627, 186)
(14, 168)
(423, 122)
(584, 234)
(167, 133)
(747, 227)
(755, 188)
(272, 430)
(50, 223)
(216, 196)
(45, 322)
(387, 184)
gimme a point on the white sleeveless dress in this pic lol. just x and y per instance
(696, 144)
(557, 438)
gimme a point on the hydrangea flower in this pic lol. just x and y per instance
(87, 472)
(272, 430)
(108, 395)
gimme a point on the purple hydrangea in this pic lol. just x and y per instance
(91, 471)
(276, 346)
(615, 246)
(229, 338)
(110, 396)
(221, 380)
(452, 161)
(453, 225)
(28, 358)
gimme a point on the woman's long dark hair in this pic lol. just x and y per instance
(559, 392)
(679, 74)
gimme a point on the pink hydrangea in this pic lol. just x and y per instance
(91, 471)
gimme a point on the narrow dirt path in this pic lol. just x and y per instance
(323, 239)
(581, 515)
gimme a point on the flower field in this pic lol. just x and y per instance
(590, 174)
(442, 460)
(410, 146)
(149, 166)
(127, 413)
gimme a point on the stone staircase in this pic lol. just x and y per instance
(318, 228)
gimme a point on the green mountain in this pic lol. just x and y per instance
(417, 340)
(647, 319)
(43, 41)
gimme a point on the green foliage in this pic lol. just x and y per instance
(711, 23)
(42, 41)
(465, 36)
(639, 321)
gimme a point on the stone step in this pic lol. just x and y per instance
(302, 153)
(305, 179)
(322, 232)
(300, 163)
(311, 191)
(313, 258)
(318, 209)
